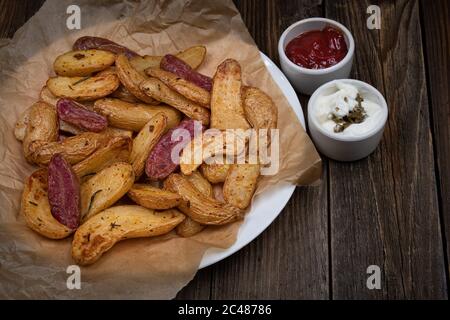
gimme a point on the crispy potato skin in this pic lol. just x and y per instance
(88, 42)
(144, 142)
(83, 88)
(131, 116)
(227, 111)
(117, 149)
(131, 79)
(215, 173)
(35, 207)
(156, 89)
(99, 234)
(193, 56)
(186, 88)
(105, 188)
(74, 149)
(259, 108)
(200, 183)
(42, 128)
(199, 207)
(190, 227)
(240, 184)
(81, 63)
(153, 198)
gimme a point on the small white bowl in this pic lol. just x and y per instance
(308, 80)
(347, 148)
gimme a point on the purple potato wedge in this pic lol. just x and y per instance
(64, 192)
(86, 43)
(76, 114)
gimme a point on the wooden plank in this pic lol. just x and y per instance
(384, 209)
(198, 288)
(290, 259)
(13, 14)
(435, 23)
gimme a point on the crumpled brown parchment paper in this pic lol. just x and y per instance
(34, 267)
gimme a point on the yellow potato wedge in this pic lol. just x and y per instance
(156, 89)
(117, 149)
(122, 93)
(206, 146)
(188, 228)
(200, 183)
(74, 149)
(47, 96)
(118, 132)
(81, 63)
(193, 56)
(83, 88)
(153, 198)
(98, 234)
(259, 108)
(35, 208)
(144, 142)
(227, 111)
(215, 173)
(131, 116)
(42, 128)
(131, 79)
(240, 184)
(199, 207)
(186, 88)
(20, 129)
(105, 188)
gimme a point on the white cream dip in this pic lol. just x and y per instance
(338, 104)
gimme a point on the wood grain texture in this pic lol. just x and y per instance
(382, 210)
(436, 26)
(385, 210)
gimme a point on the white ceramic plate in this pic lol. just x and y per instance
(268, 205)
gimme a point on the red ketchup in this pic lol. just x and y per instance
(317, 49)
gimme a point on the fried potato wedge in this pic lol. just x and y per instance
(227, 111)
(200, 183)
(83, 88)
(88, 42)
(193, 56)
(35, 207)
(99, 234)
(156, 89)
(42, 128)
(208, 145)
(105, 188)
(47, 96)
(182, 86)
(259, 108)
(131, 79)
(199, 207)
(144, 142)
(117, 149)
(130, 116)
(189, 227)
(240, 184)
(118, 132)
(74, 149)
(153, 198)
(122, 93)
(81, 63)
(215, 173)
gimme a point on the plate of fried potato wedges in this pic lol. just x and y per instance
(111, 165)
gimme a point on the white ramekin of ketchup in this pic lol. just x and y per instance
(314, 51)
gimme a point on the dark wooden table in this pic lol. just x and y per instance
(391, 209)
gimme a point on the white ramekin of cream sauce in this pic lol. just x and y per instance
(346, 119)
